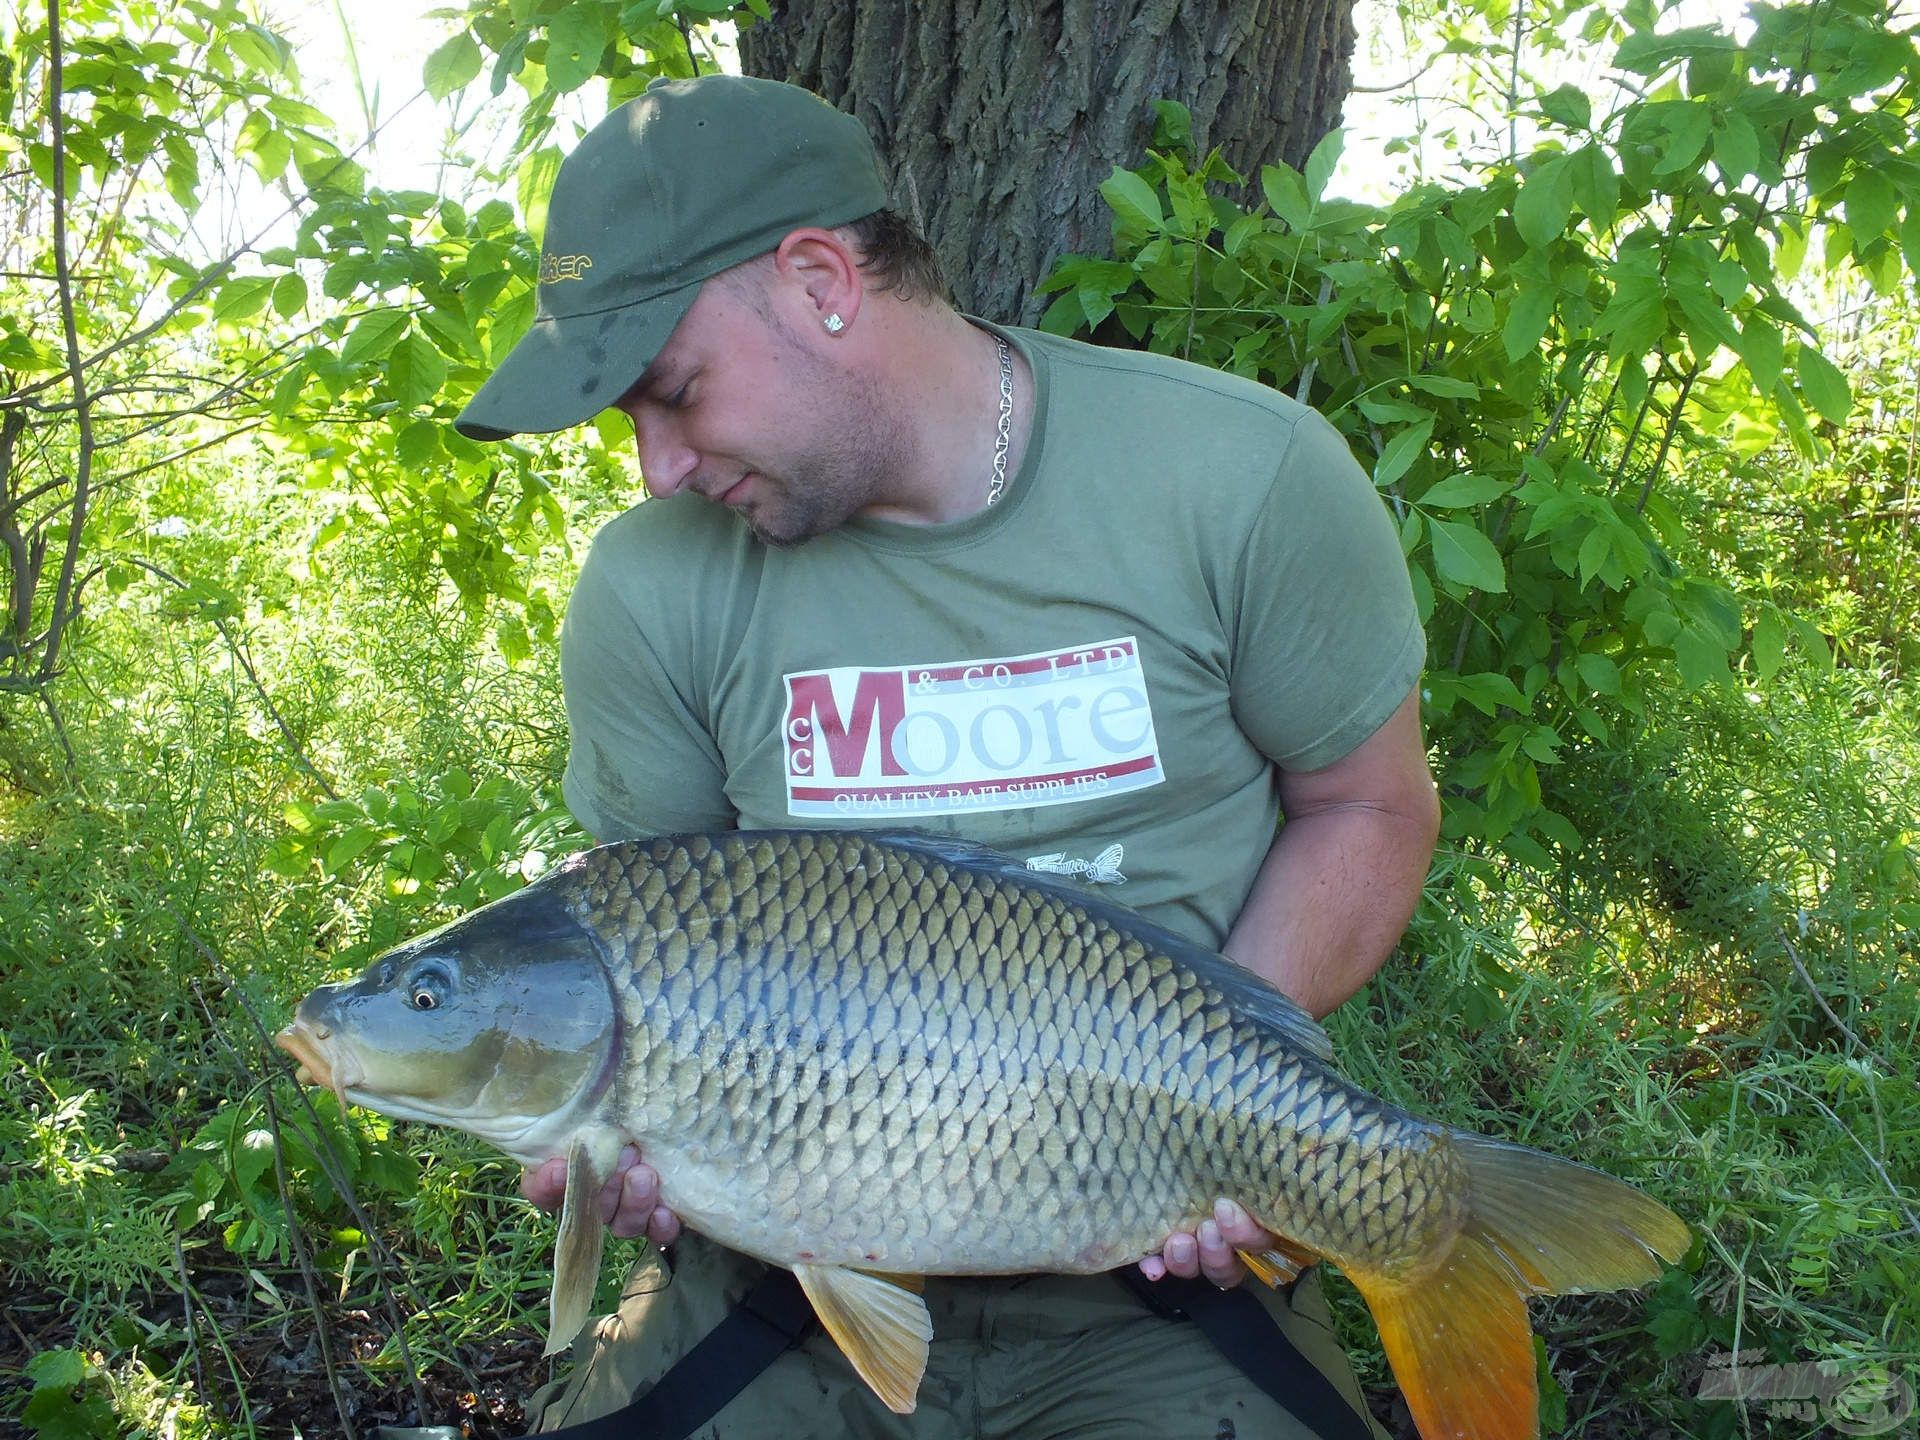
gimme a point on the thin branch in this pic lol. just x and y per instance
(1313, 361)
(1666, 439)
(1793, 957)
(83, 460)
(186, 1315)
(60, 731)
(1432, 60)
(121, 476)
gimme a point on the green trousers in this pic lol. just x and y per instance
(1025, 1356)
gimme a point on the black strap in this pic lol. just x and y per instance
(1242, 1330)
(773, 1315)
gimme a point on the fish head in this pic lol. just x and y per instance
(503, 1024)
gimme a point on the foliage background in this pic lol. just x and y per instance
(1634, 366)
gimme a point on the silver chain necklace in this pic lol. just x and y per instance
(1004, 436)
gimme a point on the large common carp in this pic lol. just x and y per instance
(871, 1058)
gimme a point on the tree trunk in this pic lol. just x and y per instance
(1002, 120)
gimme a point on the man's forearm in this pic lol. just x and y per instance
(1332, 899)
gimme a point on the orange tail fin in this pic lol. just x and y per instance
(1455, 1331)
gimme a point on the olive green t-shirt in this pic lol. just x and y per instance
(1188, 583)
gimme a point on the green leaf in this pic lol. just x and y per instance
(242, 298)
(1542, 745)
(1133, 200)
(1871, 205)
(1764, 352)
(1702, 659)
(1544, 203)
(374, 335)
(1447, 386)
(416, 370)
(533, 185)
(1457, 492)
(1568, 106)
(1636, 316)
(289, 296)
(452, 66)
(418, 443)
(1172, 125)
(1321, 163)
(1596, 185)
(253, 1157)
(1527, 320)
(1791, 249)
(57, 1369)
(510, 321)
(1286, 192)
(1687, 125)
(1601, 675)
(1729, 279)
(1824, 385)
(347, 848)
(1707, 318)
(1736, 147)
(298, 112)
(575, 42)
(1595, 551)
(1399, 453)
(1462, 554)
(1769, 644)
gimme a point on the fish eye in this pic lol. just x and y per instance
(427, 989)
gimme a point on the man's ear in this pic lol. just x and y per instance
(823, 271)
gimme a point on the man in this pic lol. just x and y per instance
(1106, 612)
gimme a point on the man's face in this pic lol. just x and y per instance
(740, 408)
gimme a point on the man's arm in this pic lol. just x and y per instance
(1329, 904)
(1344, 875)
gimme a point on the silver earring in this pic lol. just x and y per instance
(834, 323)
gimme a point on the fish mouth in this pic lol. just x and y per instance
(308, 1045)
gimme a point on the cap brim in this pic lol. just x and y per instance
(568, 368)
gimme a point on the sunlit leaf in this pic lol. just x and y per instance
(1824, 385)
(1545, 201)
(1132, 199)
(453, 65)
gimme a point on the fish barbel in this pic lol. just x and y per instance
(871, 1058)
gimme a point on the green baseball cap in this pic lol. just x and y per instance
(688, 179)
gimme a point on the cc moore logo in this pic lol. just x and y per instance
(945, 737)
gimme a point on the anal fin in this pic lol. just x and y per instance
(576, 1261)
(883, 1329)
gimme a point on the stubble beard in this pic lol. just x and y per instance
(855, 451)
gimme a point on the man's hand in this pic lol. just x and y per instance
(629, 1201)
(1209, 1249)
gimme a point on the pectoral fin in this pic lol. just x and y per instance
(883, 1329)
(576, 1261)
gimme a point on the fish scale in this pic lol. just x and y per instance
(1160, 1077)
(848, 1053)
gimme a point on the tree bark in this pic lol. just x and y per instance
(1002, 120)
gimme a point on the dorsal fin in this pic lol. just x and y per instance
(1249, 993)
